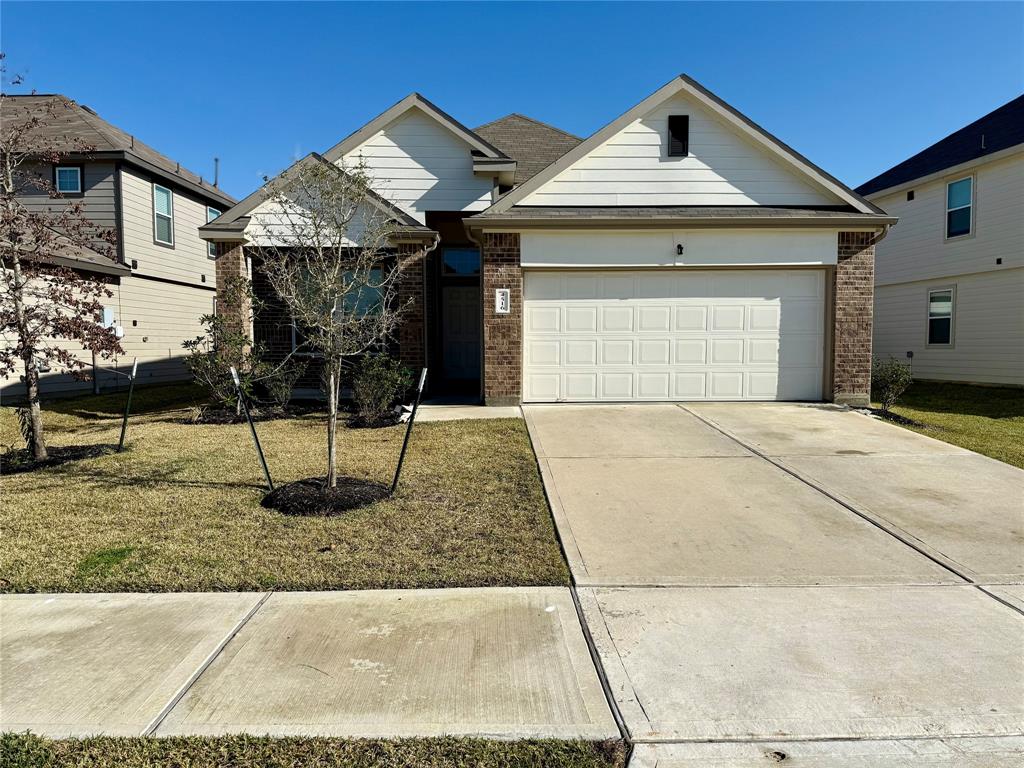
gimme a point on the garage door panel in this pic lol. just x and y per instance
(580, 352)
(616, 351)
(727, 318)
(653, 352)
(617, 319)
(673, 335)
(691, 318)
(691, 351)
(581, 319)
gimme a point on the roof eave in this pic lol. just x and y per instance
(863, 221)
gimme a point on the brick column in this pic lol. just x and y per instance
(231, 265)
(411, 348)
(853, 291)
(503, 334)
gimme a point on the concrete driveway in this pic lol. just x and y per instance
(790, 577)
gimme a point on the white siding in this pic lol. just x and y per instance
(189, 259)
(988, 328)
(916, 248)
(723, 168)
(708, 248)
(422, 166)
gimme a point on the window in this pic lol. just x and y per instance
(211, 214)
(68, 179)
(163, 215)
(360, 301)
(940, 316)
(462, 262)
(678, 135)
(959, 196)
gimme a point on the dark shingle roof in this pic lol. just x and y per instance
(72, 126)
(998, 130)
(532, 144)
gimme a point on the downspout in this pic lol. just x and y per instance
(483, 326)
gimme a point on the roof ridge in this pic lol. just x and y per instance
(533, 120)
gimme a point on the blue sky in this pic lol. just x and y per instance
(856, 87)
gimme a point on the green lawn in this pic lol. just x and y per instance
(988, 420)
(27, 751)
(179, 510)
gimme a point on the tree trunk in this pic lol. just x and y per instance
(36, 443)
(332, 428)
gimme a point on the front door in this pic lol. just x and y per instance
(460, 318)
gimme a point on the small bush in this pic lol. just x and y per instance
(889, 380)
(378, 383)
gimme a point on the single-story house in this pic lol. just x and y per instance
(949, 281)
(679, 253)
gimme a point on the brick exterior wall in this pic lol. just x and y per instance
(503, 334)
(230, 263)
(853, 293)
(412, 332)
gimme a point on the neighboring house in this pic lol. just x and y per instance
(163, 276)
(949, 280)
(679, 253)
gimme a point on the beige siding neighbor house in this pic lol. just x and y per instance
(949, 279)
(680, 253)
(163, 277)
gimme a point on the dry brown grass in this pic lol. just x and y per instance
(180, 510)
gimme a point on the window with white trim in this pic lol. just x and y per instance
(163, 215)
(211, 214)
(68, 179)
(940, 317)
(959, 207)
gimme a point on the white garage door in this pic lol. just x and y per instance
(673, 335)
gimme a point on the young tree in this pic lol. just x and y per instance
(44, 305)
(327, 249)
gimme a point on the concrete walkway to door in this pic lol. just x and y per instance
(784, 578)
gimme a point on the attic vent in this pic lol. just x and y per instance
(678, 135)
(90, 110)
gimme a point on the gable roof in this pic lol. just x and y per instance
(233, 222)
(715, 105)
(532, 144)
(413, 100)
(77, 124)
(1000, 129)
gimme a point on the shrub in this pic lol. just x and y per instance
(280, 382)
(889, 380)
(379, 381)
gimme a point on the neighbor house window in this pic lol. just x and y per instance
(163, 215)
(959, 205)
(211, 214)
(940, 316)
(68, 179)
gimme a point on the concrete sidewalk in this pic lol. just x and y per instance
(499, 662)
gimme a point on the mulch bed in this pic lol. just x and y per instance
(20, 460)
(209, 414)
(309, 497)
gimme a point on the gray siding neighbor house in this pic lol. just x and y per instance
(949, 280)
(163, 275)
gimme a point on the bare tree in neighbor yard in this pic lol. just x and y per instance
(43, 306)
(327, 251)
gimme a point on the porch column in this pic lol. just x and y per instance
(503, 334)
(411, 342)
(853, 291)
(231, 266)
